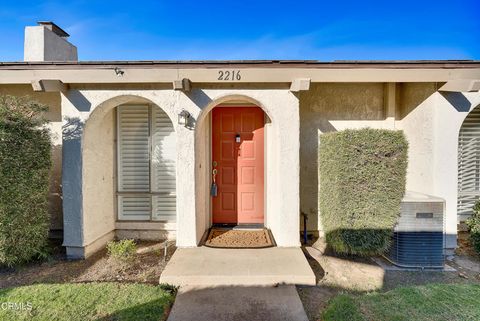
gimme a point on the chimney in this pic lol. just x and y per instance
(48, 42)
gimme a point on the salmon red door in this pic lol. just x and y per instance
(238, 156)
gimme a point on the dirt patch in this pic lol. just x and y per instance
(144, 268)
(233, 238)
(315, 299)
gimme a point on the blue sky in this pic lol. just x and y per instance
(245, 29)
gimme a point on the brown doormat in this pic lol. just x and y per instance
(239, 238)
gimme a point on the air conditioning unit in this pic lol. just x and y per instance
(419, 236)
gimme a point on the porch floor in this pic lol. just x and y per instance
(204, 266)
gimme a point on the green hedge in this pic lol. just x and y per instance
(362, 181)
(25, 160)
(474, 226)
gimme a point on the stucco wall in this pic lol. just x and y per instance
(430, 120)
(99, 154)
(202, 176)
(52, 100)
(416, 118)
(326, 108)
(450, 112)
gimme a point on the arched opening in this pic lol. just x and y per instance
(129, 170)
(468, 164)
(233, 137)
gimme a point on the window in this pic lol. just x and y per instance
(146, 152)
(468, 164)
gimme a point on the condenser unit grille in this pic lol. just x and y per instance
(422, 249)
(419, 237)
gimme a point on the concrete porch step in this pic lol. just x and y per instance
(234, 303)
(203, 266)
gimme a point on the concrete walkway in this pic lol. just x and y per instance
(237, 303)
(204, 266)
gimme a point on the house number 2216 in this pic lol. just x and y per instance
(229, 75)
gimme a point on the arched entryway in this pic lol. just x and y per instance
(234, 136)
(129, 170)
(468, 164)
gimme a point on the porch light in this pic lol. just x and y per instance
(184, 118)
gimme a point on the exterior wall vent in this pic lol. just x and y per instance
(419, 236)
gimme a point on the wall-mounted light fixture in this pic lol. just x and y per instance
(119, 72)
(184, 118)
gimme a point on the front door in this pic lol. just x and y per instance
(238, 157)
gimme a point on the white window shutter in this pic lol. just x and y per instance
(133, 163)
(134, 208)
(146, 164)
(133, 149)
(163, 161)
(469, 164)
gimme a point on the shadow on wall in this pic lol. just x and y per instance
(163, 165)
(72, 129)
(199, 97)
(72, 177)
(458, 101)
(55, 196)
(78, 100)
(412, 95)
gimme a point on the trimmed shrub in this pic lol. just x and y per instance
(25, 161)
(362, 177)
(474, 227)
(124, 250)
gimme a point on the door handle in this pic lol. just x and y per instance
(214, 187)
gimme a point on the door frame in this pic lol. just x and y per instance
(266, 122)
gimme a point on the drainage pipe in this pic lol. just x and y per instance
(305, 218)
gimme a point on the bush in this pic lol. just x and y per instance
(25, 161)
(474, 226)
(124, 250)
(362, 177)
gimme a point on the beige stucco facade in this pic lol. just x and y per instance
(430, 119)
(89, 173)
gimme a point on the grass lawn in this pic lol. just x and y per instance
(86, 301)
(433, 302)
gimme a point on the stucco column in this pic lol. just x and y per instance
(186, 180)
(287, 145)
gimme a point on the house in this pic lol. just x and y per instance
(137, 143)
